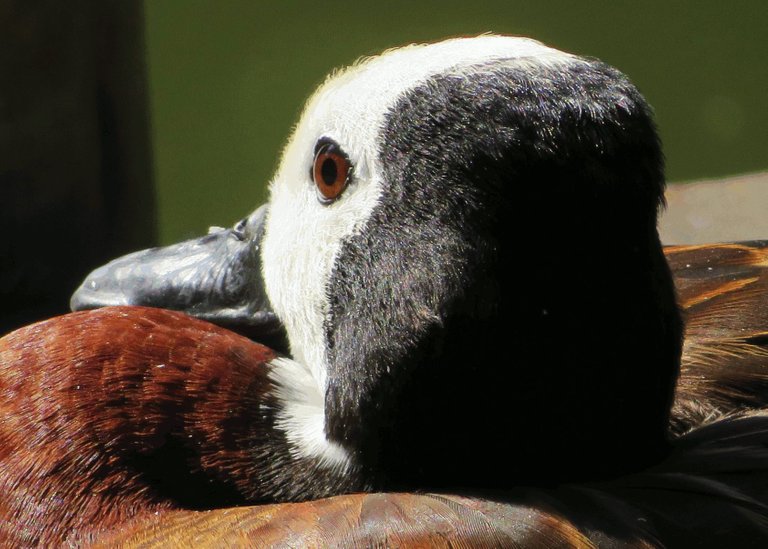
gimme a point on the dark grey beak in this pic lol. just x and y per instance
(216, 278)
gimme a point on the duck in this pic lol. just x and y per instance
(457, 286)
(392, 240)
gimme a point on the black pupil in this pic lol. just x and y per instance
(329, 171)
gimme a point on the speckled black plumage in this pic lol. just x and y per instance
(520, 205)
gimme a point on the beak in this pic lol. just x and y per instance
(216, 278)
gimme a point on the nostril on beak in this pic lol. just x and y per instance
(238, 231)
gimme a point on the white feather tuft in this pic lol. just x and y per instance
(301, 415)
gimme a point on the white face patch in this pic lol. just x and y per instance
(303, 237)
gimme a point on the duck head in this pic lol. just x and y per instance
(461, 246)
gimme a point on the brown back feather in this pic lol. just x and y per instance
(723, 291)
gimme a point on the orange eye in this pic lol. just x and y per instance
(330, 171)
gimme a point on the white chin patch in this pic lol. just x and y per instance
(301, 415)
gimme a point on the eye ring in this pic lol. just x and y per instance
(331, 170)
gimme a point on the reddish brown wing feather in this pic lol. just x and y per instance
(723, 290)
(358, 520)
(117, 412)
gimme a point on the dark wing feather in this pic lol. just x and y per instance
(723, 290)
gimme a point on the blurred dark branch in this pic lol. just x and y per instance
(75, 157)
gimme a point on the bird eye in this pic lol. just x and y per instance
(331, 170)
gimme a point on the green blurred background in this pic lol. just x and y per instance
(227, 80)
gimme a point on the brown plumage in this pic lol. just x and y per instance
(121, 426)
(118, 412)
(723, 291)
